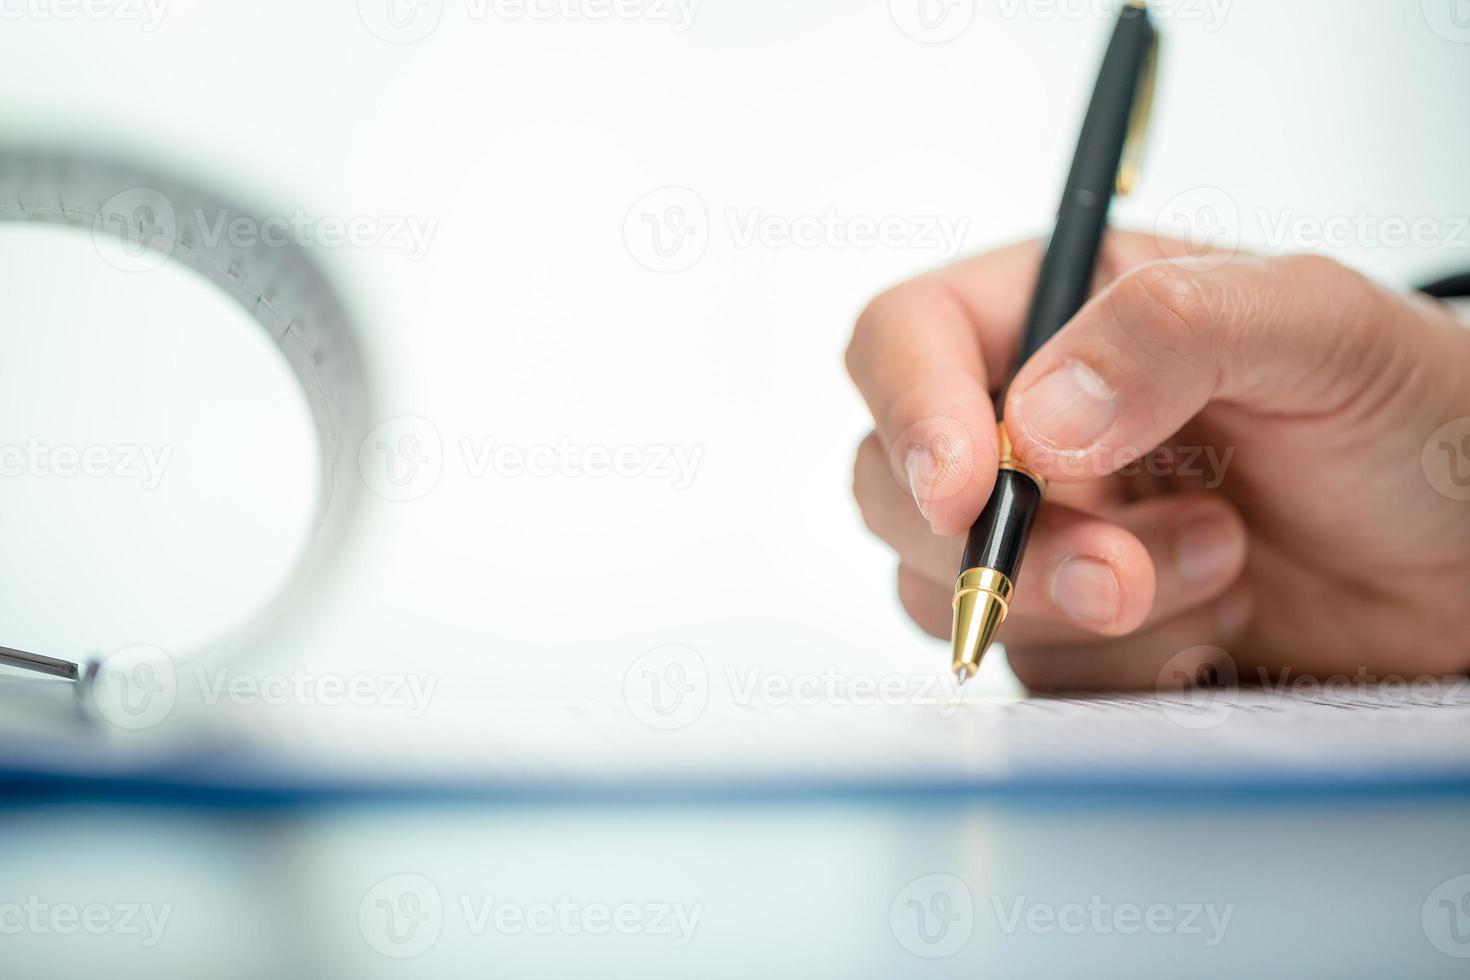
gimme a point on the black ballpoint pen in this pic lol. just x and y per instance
(1107, 161)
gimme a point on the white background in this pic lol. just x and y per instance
(530, 319)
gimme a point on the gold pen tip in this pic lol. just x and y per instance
(979, 609)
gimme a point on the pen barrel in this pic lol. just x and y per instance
(998, 538)
(1066, 269)
(1071, 253)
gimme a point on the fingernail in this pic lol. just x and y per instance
(1070, 408)
(1207, 548)
(920, 466)
(1087, 590)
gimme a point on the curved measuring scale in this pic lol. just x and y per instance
(156, 218)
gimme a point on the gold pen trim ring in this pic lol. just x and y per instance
(1008, 460)
(986, 580)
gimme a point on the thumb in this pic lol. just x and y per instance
(1300, 334)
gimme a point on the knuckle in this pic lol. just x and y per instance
(1169, 299)
(887, 308)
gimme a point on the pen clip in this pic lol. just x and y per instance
(1143, 104)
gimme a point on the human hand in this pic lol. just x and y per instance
(1234, 454)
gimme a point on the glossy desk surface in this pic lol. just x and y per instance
(883, 886)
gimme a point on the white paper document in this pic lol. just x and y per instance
(753, 733)
(931, 736)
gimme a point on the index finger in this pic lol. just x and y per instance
(919, 360)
